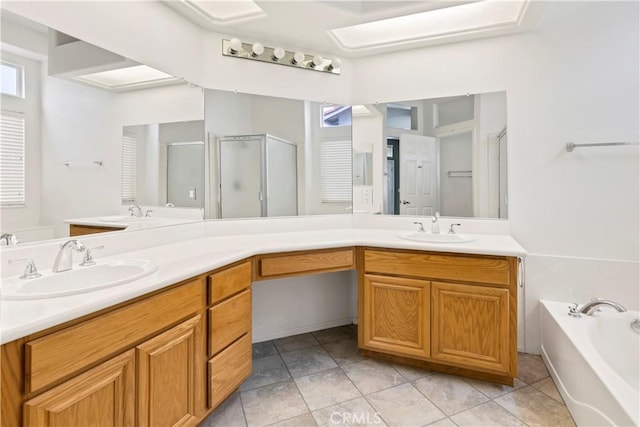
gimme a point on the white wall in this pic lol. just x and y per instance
(574, 79)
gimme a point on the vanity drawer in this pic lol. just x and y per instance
(229, 320)
(229, 369)
(229, 281)
(62, 353)
(307, 262)
(493, 270)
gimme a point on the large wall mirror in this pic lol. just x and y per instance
(272, 156)
(446, 155)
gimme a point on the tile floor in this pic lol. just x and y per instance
(320, 379)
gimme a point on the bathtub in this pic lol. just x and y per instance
(595, 362)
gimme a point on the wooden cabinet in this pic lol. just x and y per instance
(171, 379)
(470, 326)
(102, 396)
(229, 331)
(454, 312)
(81, 230)
(396, 315)
(298, 263)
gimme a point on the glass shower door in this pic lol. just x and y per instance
(241, 193)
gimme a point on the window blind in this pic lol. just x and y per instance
(129, 143)
(12, 164)
(335, 171)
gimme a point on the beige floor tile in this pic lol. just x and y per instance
(266, 370)
(326, 388)
(548, 387)
(344, 351)
(334, 334)
(295, 342)
(228, 414)
(308, 361)
(264, 349)
(531, 369)
(535, 408)
(353, 413)
(372, 375)
(304, 420)
(273, 403)
(410, 373)
(493, 390)
(450, 393)
(446, 422)
(405, 406)
(488, 414)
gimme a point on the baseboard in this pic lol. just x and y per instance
(301, 329)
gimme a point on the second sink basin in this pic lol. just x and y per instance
(78, 280)
(435, 238)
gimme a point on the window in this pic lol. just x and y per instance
(129, 143)
(336, 115)
(335, 171)
(12, 170)
(12, 79)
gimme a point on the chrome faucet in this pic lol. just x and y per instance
(135, 210)
(10, 239)
(453, 230)
(593, 307)
(421, 229)
(64, 259)
(435, 225)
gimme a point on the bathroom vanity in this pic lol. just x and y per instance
(171, 355)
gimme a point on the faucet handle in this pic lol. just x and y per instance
(574, 311)
(421, 229)
(435, 217)
(452, 230)
(30, 271)
(87, 259)
(147, 214)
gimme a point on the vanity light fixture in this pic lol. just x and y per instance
(277, 55)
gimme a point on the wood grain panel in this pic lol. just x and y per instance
(12, 386)
(470, 326)
(305, 262)
(62, 353)
(480, 269)
(81, 230)
(230, 281)
(170, 375)
(103, 396)
(229, 369)
(396, 315)
(228, 321)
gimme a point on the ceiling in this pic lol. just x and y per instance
(359, 28)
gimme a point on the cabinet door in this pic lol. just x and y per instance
(171, 376)
(103, 396)
(396, 315)
(470, 326)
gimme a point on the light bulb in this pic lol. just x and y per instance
(234, 46)
(335, 63)
(278, 54)
(316, 61)
(298, 58)
(257, 49)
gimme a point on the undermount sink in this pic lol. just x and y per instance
(121, 218)
(78, 280)
(435, 238)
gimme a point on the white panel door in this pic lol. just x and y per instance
(418, 179)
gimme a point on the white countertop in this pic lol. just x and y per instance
(188, 258)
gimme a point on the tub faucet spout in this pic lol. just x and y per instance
(593, 306)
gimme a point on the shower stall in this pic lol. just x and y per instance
(257, 176)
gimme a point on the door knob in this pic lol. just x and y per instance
(406, 202)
